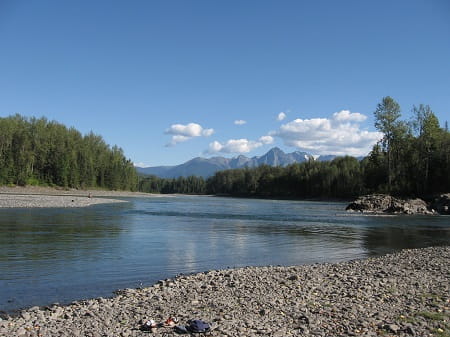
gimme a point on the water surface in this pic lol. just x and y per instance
(61, 255)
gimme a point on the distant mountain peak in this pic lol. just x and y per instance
(206, 167)
(276, 149)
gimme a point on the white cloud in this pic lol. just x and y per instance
(179, 139)
(281, 116)
(266, 139)
(347, 116)
(141, 164)
(214, 147)
(234, 146)
(339, 135)
(240, 122)
(181, 133)
(207, 132)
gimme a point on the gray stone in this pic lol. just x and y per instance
(393, 328)
(21, 331)
(382, 203)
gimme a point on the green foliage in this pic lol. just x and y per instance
(386, 121)
(411, 160)
(417, 160)
(38, 152)
(340, 178)
(33, 182)
(189, 185)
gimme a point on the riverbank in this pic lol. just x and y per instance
(403, 294)
(44, 197)
(39, 190)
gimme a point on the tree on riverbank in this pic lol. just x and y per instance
(339, 178)
(412, 159)
(189, 185)
(386, 121)
(38, 152)
(420, 150)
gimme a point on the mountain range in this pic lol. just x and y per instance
(206, 167)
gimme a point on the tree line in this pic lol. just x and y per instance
(41, 152)
(340, 178)
(412, 159)
(182, 185)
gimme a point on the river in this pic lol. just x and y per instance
(61, 255)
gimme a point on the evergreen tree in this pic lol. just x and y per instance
(36, 151)
(428, 131)
(387, 114)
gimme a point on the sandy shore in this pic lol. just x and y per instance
(403, 294)
(31, 196)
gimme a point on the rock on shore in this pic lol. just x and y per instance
(403, 294)
(382, 203)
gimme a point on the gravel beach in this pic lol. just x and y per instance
(43, 197)
(46, 201)
(402, 294)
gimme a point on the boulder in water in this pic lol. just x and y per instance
(383, 203)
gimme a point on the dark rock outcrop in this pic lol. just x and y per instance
(382, 203)
(371, 203)
(409, 206)
(441, 204)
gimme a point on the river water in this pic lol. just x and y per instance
(61, 255)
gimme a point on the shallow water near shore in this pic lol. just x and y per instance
(61, 255)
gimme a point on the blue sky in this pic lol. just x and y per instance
(171, 80)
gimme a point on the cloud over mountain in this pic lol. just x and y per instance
(233, 146)
(181, 133)
(242, 145)
(341, 134)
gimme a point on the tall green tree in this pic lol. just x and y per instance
(36, 151)
(428, 132)
(386, 115)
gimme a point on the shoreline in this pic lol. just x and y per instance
(39, 190)
(51, 201)
(47, 197)
(405, 294)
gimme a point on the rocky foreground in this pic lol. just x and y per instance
(403, 294)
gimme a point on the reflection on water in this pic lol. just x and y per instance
(59, 255)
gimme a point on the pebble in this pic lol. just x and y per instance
(402, 294)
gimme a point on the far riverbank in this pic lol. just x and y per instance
(47, 197)
(40, 190)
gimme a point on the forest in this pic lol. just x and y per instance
(412, 159)
(41, 152)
